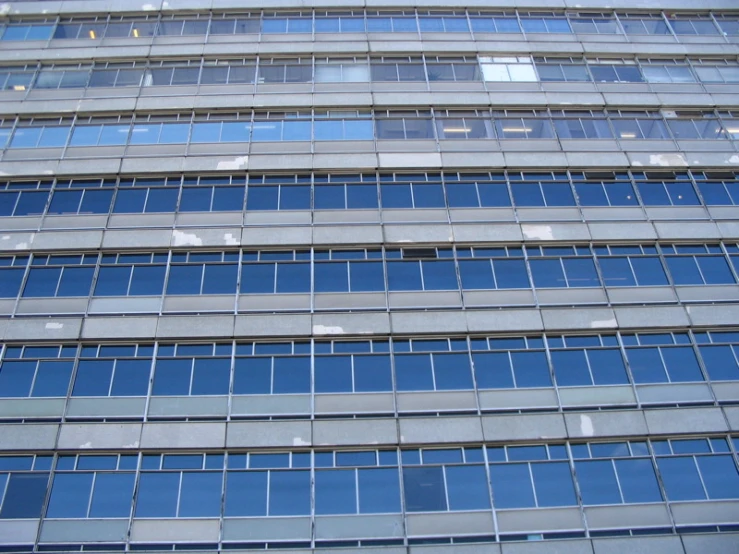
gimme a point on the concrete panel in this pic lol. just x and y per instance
(705, 513)
(686, 230)
(495, 232)
(28, 436)
(363, 526)
(428, 322)
(627, 516)
(517, 398)
(453, 523)
(685, 420)
(47, 329)
(653, 316)
(355, 432)
(677, 392)
(175, 530)
(268, 404)
(119, 327)
(191, 406)
(18, 531)
(728, 391)
(92, 530)
(713, 315)
(436, 400)
(724, 543)
(267, 528)
(348, 234)
(606, 424)
(265, 236)
(201, 326)
(440, 430)
(632, 231)
(555, 231)
(486, 548)
(356, 403)
(351, 324)
(206, 237)
(67, 240)
(503, 320)
(103, 406)
(112, 436)
(578, 318)
(288, 325)
(268, 434)
(638, 545)
(32, 407)
(409, 160)
(596, 396)
(183, 435)
(151, 238)
(408, 234)
(732, 416)
(542, 519)
(548, 547)
(523, 427)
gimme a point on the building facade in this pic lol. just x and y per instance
(369, 276)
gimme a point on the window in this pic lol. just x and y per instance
(507, 68)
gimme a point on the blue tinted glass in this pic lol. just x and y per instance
(719, 476)
(492, 370)
(553, 484)
(413, 372)
(70, 495)
(333, 373)
(258, 278)
(42, 281)
(335, 492)
(638, 481)
(366, 276)
(252, 376)
(52, 379)
(715, 270)
(16, 378)
(172, 377)
(379, 491)
(293, 277)
(682, 365)
(423, 488)
(246, 493)
(476, 274)
(571, 368)
(607, 367)
(646, 365)
(93, 378)
(467, 487)
(598, 483)
(289, 493)
(211, 376)
(24, 496)
(131, 378)
(719, 361)
(547, 273)
(75, 281)
(511, 486)
(291, 375)
(404, 275)
(680, 478)
(649, 271)
(112, 495)
(684, 270)
(372, 373)
(184, 279)
(157, 494)
(531, 369)
(201, 494)
(331, 277)
(10, 282)
(452, 371)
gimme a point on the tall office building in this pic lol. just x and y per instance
(369, 276)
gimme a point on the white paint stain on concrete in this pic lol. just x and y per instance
(230, 240)
(537, 232)
(734, 159)
(327, 330)
(586, 426)
(54, 325)
(180, 238)
(667, 160)
(298, 441)
(603, 323)
(236, 163)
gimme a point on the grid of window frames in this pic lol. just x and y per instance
(178, 273)
(453, 190)
(265, 70)
(367, 366)
(92, 27)
(363, 124)
(237, 484)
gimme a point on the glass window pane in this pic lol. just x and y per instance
(201, 494)
(289, 493)
(379, 491)
(157, 494)
(413, 372)
(638, 481)
(680, 478)
(246, 493)
(720, 476)
(467, 487)
(452, 371)
(553, 484)
(24, 496)
(335, 492)
(511, 486)
(70, 495)
(597, 481)
(112, 495)
(291, 375)
(423, 489)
